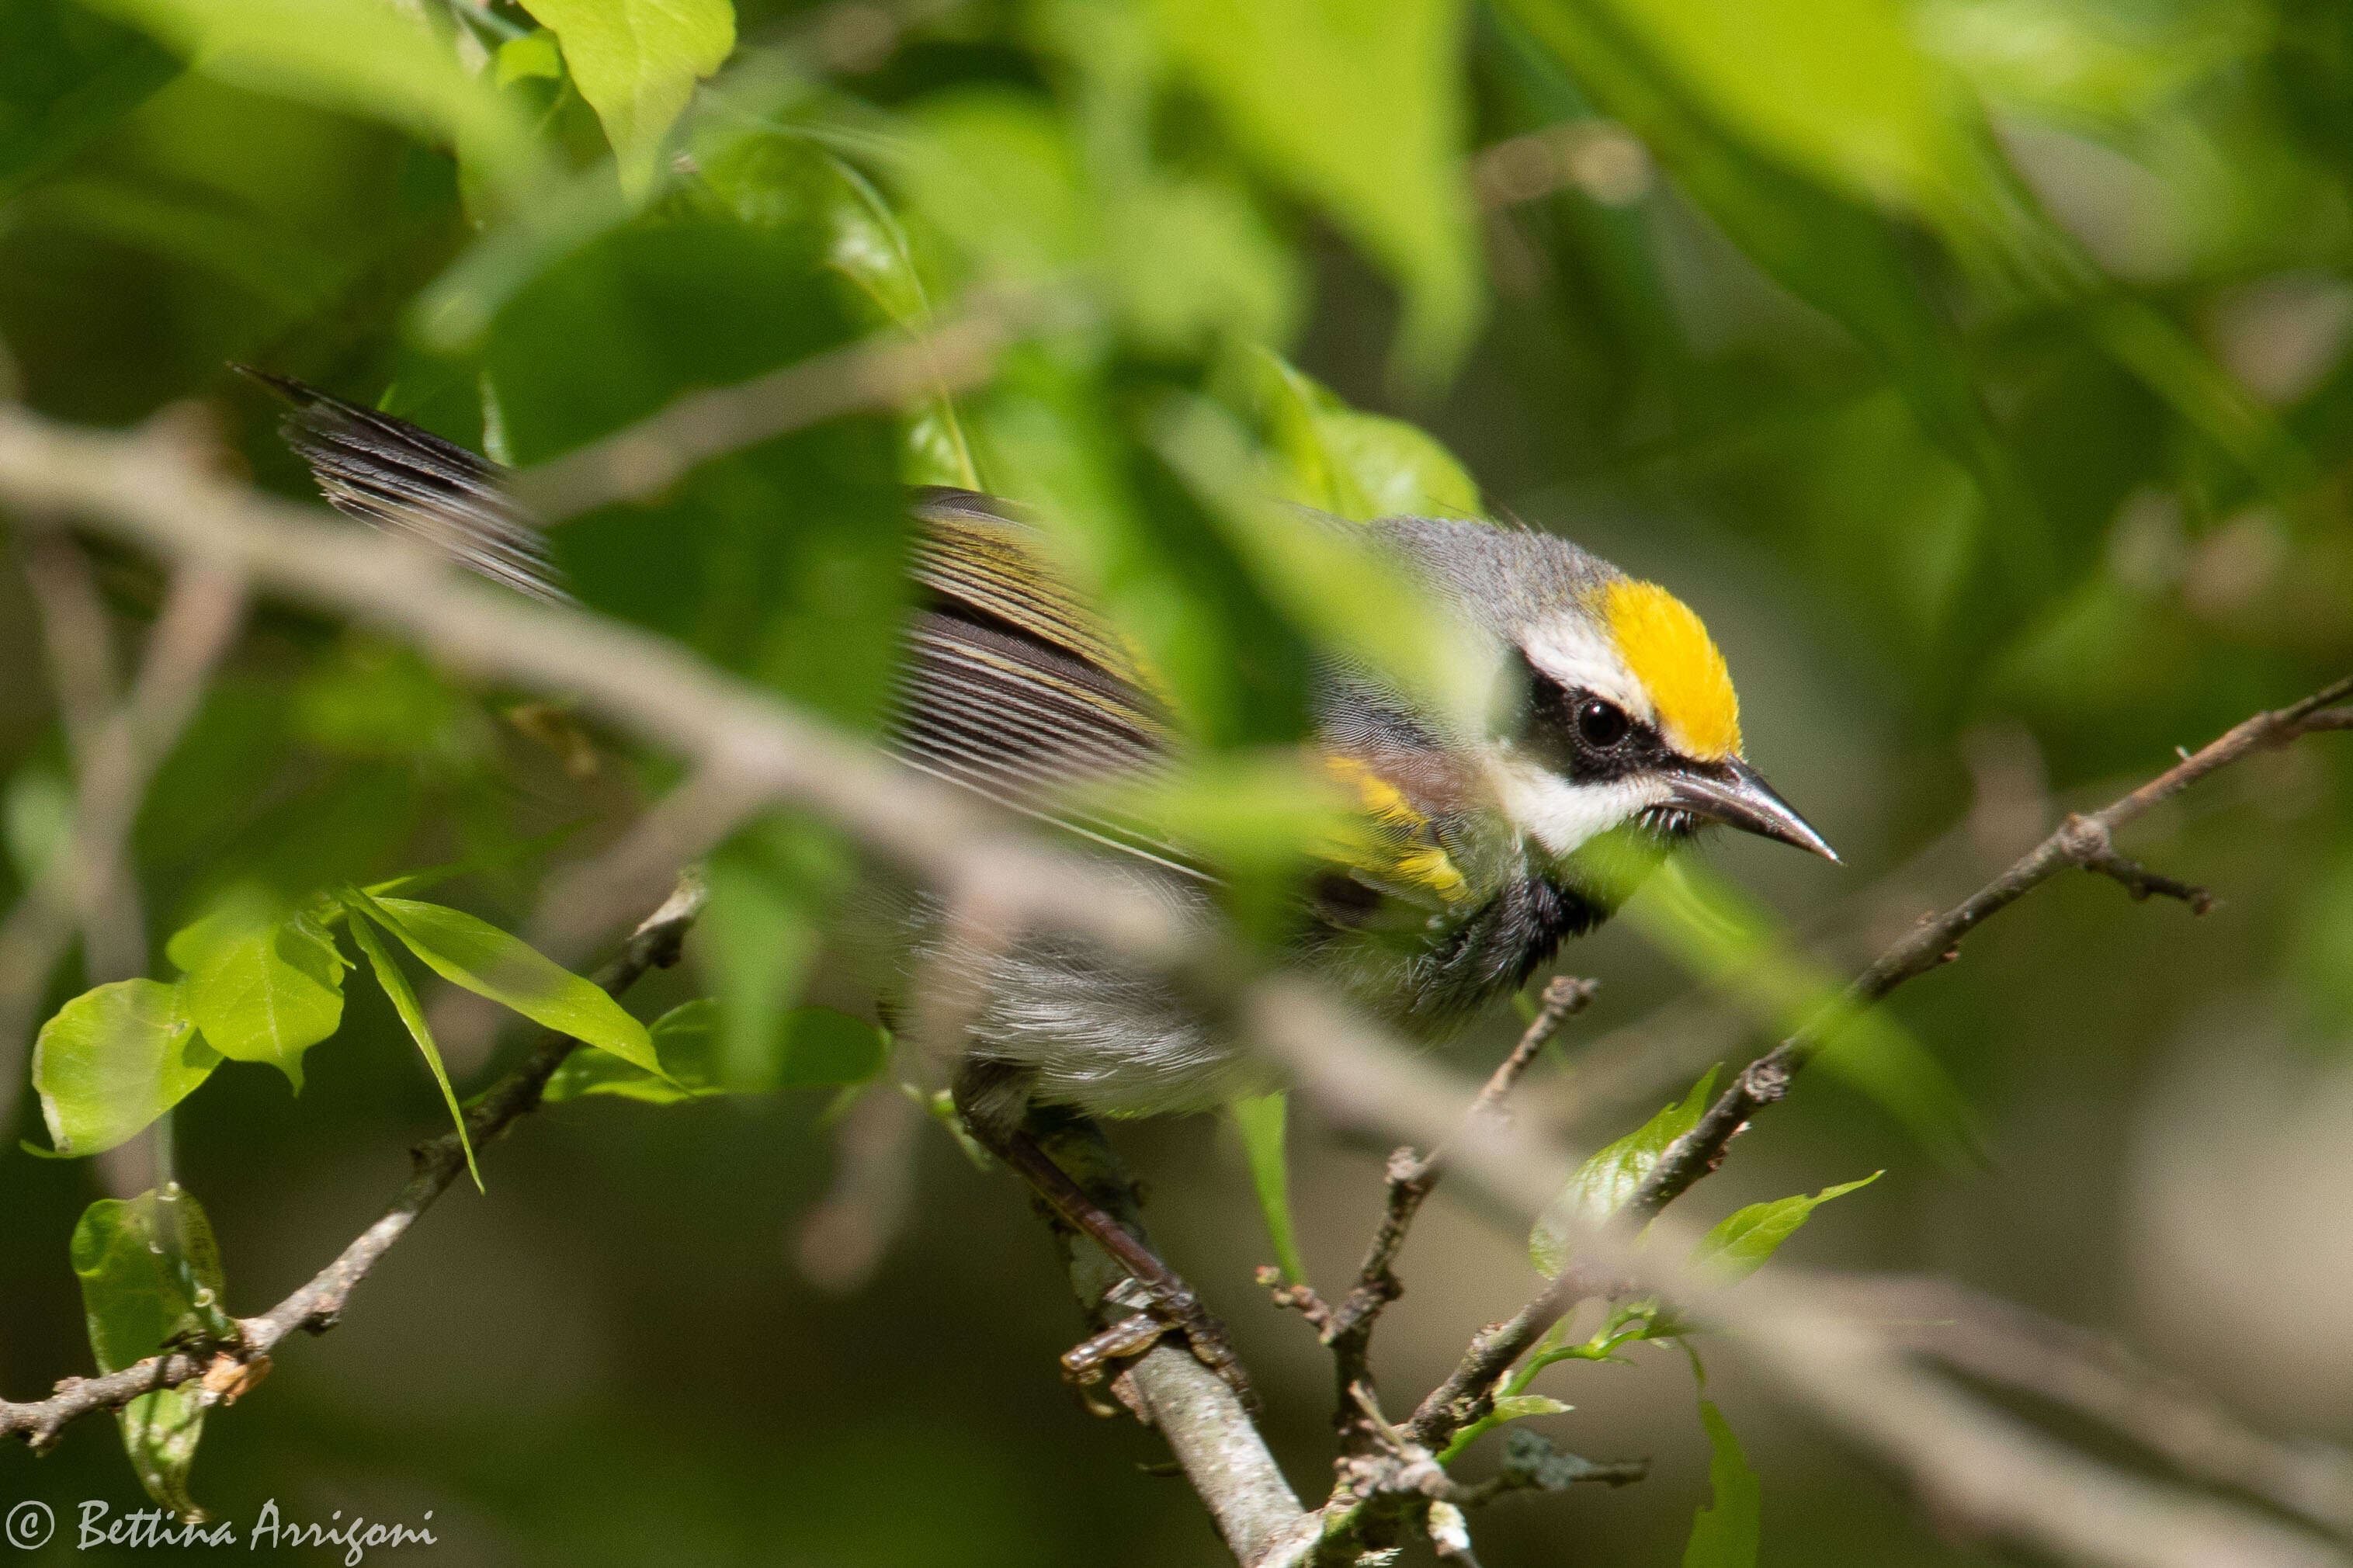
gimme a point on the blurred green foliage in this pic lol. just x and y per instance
(1729, 1530)
(151, 1274)
(1977, 365)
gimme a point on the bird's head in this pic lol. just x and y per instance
(1615, 709)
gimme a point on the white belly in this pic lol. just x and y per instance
(1087, 1033)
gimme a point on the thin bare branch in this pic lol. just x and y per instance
(76, 638)
(888, 370)
(2001, 1342)
(1979, 1472)
(2081, 841)
(1532, 1463)
(585, 904)
(1671, 1044)
(1204, 1420)
(1347, 1327)
(117, 759)
(1975, 1468)
(843, 1237)
(2143, 883)
(79, 646)
(316, 1306)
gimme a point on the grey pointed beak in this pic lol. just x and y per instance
(1733, 794)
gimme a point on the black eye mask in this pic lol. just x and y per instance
(1584, 738)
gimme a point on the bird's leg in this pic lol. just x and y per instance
(1158, 1297)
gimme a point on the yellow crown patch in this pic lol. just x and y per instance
(1670, 652)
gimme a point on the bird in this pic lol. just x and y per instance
(1613, 739)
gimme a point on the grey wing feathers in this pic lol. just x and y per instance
(1010, 686)
(398, 477)
(1023, 725)
(1011, 689)
(982, 555)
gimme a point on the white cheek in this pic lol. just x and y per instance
(1562, 816)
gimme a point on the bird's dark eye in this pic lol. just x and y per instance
(1601, 725)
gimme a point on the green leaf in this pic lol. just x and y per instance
(1195, 261)
(115, 1059)
(1357, 105)
(404, 1002)
(1046, 435)
(768, 892)
(689, 298)
(149, 1274)
(866, 244)
(1355, 465)
(1604, 1183)
(37, 817)
(1519, 1406)
(534, 55)
(1839, 88)
(1192, 259)
(488, 961)
(1842, 90)
(1514, 1400)
(821, 1048)
(359, 56)
(1260, 1120)
(993, 169)
(1724, 936)
(1260, 811)
(779, 179)
(932, 449)
(815, 1047)
(1741, 1243)
(1727, 1533)
(263, 984)
(1398, 468)
(1838, 253)
(1351, 600)
(635, 62)
(1626, 1324)
(2087, 65)
(66, 77)
(686, 1042)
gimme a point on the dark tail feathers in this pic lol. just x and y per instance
(406, 480)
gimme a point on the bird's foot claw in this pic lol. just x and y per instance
(1158, 1311)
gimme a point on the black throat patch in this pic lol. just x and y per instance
(1503, 943)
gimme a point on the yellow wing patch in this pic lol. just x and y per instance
(1403, 848)
(1670, 652)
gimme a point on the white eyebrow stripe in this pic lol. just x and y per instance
(1571, 652)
